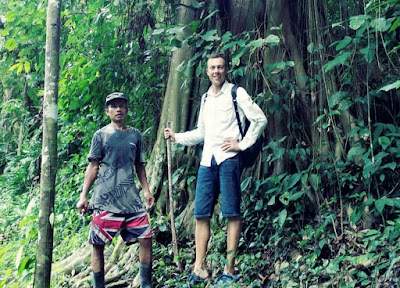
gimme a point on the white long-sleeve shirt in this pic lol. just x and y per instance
(217, 122)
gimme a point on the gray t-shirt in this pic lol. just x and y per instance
(117, 151)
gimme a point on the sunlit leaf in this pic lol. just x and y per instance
(357, 21)
(394, 85)
(271, 201)
(10, 44)
(380, 24)
(27, 66)
(259, 205)
(282, 217)
(272, 39)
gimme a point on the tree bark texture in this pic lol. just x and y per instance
(175, 106)
(49, 147)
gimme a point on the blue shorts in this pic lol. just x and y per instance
(211, 181)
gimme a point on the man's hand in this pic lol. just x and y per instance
(230, 145)
(82, 205)
(149, 200)
(169, 133)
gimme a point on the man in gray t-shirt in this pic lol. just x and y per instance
(119, 151)
(115, 151)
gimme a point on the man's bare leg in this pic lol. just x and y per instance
(202, 235)
(233, 236)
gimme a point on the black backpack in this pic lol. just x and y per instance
(248, 156)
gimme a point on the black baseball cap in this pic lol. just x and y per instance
(115, 95)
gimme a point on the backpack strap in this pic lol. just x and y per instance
(234, 89)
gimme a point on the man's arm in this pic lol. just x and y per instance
(141, 174)
(90, 176)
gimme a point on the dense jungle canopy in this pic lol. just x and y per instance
(321, 206)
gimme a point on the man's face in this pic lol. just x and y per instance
(117, 110)
(216, 71)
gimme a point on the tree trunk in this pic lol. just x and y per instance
(49, 147)
(175, 106)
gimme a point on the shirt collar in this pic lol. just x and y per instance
(221, 92)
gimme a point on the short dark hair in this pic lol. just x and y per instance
(218, 55)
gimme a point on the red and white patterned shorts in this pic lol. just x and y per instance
(105, 226)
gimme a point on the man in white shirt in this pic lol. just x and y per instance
(219, 171)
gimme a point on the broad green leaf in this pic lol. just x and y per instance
(24, 265)
(334, 112)
(272, 39)
(293, 179)
(310, 48)
(395, 25)
(238, 54)
(15, 66)
(357, 21)
(343, 43)
(226, 37)
(369, 53)
(245, 183)
(290, 63)
(384, 142)
(10, 44)
(257, 43)
(391, 165)
(296, 196)
(284, 198)
(259, 205)
(27, 66)
(380, 24)
(20, 67)
(282, 217)
(337, 97)
(381, 203)
(321, 243)
(319, 118)
(271, 201)
(339, 60)
(380, 156)
(190, 179)
(394, 85)
(210, 36)
(355, 152)
(11, 16)
(369, 168)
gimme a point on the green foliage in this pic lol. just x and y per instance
(303, 225)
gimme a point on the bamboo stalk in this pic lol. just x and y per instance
(171, 205)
